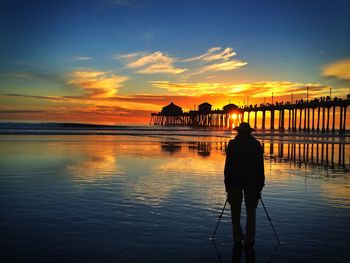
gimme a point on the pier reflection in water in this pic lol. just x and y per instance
(323, 154)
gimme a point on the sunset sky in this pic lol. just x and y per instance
(116, 61)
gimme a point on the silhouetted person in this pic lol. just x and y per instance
(244, 174)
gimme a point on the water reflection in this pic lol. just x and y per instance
(93, 166)
(240, 252)
(336, 193)
(92, 162)
(174, 162)
(135, 194)
(171, 147)
(328, 155)
(178, 173)
(203, 149)
(249, 254)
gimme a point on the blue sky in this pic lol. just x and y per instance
(130, 57)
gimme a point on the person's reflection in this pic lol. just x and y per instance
(236, 253)
(249, 253)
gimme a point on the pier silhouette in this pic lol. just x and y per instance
(323, 115)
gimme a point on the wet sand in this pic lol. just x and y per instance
(157, 198)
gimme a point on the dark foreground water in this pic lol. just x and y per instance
(88, 198)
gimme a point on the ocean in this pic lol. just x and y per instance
(154, 194)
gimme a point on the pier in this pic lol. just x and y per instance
(318, 115)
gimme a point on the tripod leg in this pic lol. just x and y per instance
(269, 218)
(217, 225)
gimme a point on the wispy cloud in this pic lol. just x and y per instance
(128, 56)
(224, 65)
(98, 84)
(32, 75)
(26, 64)
(217, 59)
(214, 54)
(93, 114)
(49, 98)
(185, 88)
(18, 75)
(156, 62)
(131, 102)
(203, 56)
(339, 69)
(82, 58)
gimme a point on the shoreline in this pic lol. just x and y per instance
(187, 137)
(143, 130)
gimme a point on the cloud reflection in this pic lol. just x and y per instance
(94, 164)
(179, 166)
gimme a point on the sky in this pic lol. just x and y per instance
(116, 61)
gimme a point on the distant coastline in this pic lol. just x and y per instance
(56, 125)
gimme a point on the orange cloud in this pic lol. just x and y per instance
(257, 89)
(98, 84)
(339, 69)
(285, 88)
(184, 88)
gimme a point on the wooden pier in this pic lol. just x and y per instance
(318, 115)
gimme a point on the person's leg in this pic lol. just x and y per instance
(250, 199)
(235, 200)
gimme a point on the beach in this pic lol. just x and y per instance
(116, 118)
(154, 195)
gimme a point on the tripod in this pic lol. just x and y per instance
(268, 217)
